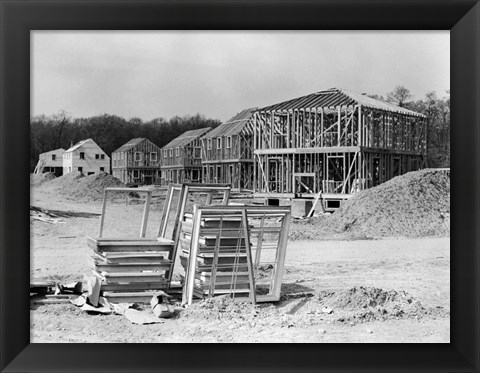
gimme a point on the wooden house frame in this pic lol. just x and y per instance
(227, 152)
(51, 161)
(137, 162)
(181, 158)
(87, 157)
(334, 142)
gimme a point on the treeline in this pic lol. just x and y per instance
(108, 131)
(111, 131)
(437, 110)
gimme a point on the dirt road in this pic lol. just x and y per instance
(320, 270)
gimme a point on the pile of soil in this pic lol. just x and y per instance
(416, 204)
(360, 304)
(221, 307)
(38, 179)
(66, 180)
(356, 305)
(78, 186)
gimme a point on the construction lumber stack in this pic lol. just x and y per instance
(215, 253)
(130, 269)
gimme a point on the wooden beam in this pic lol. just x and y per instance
(321, 127)
(338, 124)
(313, 150)
(146, 211)
(359, 135)
(102, 218)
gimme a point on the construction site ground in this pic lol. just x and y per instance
(335, 288)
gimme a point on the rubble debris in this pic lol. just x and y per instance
(78, 300)
(104, 307)
(163, 311)
(92, 287)
(161, 306)
(142, 317)
(45, 219)
(120, 308)
(41, 287)
(61, 214)
(51, 299)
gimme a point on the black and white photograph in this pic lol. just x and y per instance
(240, 186)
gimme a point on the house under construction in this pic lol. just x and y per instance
(227, 152)
(137, 162)
(334, 142)
(181, 158)
(51, 161)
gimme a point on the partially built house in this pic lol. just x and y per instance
(227, 152)
(182, 159)
(86, 157)
(51, 161)
(137, 162)
(334, 142)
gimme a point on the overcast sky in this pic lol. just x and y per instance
(162, 74)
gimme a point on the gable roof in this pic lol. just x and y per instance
(80, 143)
(233, 126)
(59, 150)
(186, 137)
(77, 145)
(130, 144)
(335, 97)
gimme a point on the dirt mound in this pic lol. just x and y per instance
(66, 180)
(362, 297)
(218, 308)
(78, 186)
(316, 228)
(356, 305)
(360, 304)
(416, 204)
(38, 179)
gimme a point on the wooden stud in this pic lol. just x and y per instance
(104, 208)
(146, 211)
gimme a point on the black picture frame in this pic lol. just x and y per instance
(19, 17)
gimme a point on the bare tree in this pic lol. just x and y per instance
(399, 96)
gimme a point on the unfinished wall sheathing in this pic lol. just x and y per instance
(227, 152)
(334, 142)
(181, 158)
(51, 161)
(137, 162)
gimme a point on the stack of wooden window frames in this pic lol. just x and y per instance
(131, 269)
(267, 233)
(216, 253)
(240, 250)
